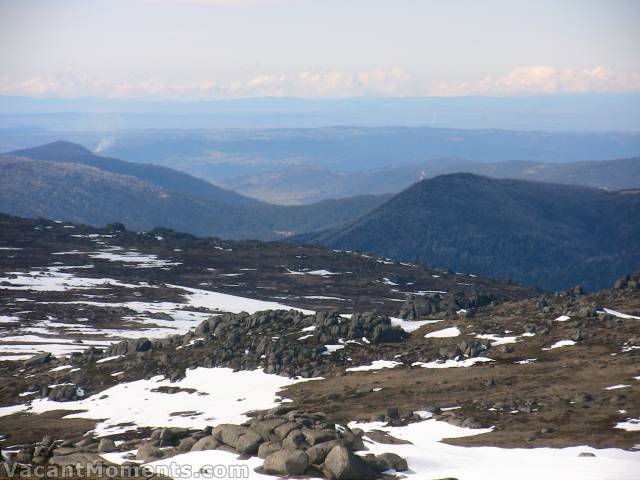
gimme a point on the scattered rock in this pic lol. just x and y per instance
(286, 462)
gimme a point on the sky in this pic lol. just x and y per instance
(217, 49)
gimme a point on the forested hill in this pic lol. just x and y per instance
(549, 235)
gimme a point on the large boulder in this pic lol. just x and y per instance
(186, 444)
(314, 437)
(106, 445)
(319, 452)
(64, 393)
(286, 462)
(249, 443)
(148, 453)
(341, 464)
(229, 434)
(387, 461)
(77, 459)
(206, 443)
(39, 359)
(267, 448)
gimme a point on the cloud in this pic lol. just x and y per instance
(545, 79)
(322, 84)
(525, 80)
(334, 84)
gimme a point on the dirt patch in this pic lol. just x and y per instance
(21, 428)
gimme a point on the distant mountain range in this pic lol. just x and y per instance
(307, 184)
(66, 181)
(541, 234)
(549, 235)
(292, 166)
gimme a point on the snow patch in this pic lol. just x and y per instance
(375, 365)
(444, 333)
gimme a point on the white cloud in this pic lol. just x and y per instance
(536, 79)
(388, 82)
(545, 79)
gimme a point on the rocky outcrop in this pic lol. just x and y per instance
(290, 441)
(418, 306)
(628, 282)
(284, 342)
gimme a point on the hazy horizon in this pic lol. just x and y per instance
(219, 49)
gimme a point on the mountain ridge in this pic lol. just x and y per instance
(550, 235)
(81, 191)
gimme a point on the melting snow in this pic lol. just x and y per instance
(429, 458)
(444, 333)
(52, 279)
(561, 343)
(140, 260)
(411, 325)
(620, 314)
(630, 425)
(375, 365)
(216, 400)
(497, 340)
(467, 362)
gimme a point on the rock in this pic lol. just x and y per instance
(64, 451)
(341, 464)
(319, 452)
(39, 359)
(148, 453)
(186, 444)
(578, 336)
(294, 440)
(85, 441)
(583, 398)
(267, 448)
(229, 434)
(77, 459)
(227, 448)
(63, 393)
(393, 413)
(393, 462)
(586, 454)
(380, 436)
(314, 437)
(266, 427)
(352, 441)
(286, 462)
(24, 457)
(106, 445)
(249, 443)
(91, 448)
(206, 443)
(283, 430)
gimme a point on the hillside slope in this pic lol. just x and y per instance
(81, 193)
(548, 235)
(164, 177)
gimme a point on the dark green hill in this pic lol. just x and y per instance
(548, 235)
